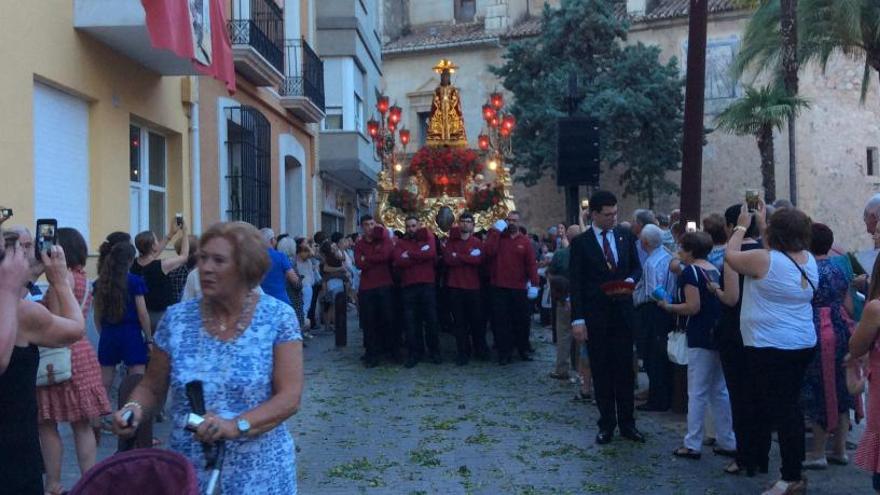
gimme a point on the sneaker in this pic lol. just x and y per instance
(820, 463)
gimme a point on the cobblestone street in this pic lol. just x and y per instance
(483, 429)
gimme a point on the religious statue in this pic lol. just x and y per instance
(413, 185)
(446, 123)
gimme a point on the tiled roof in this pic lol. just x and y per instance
(439, 36)
(447, 35)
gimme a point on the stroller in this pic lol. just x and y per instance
(141, 471)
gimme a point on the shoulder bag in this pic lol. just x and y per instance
(55, 362)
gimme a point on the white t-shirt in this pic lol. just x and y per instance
(777, 310)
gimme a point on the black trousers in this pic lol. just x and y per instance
(470, 332)
(420, 312)
(511, 311)
(377, 322)
(742, 406)
(778, 375)
(611, 361)
(656, 324)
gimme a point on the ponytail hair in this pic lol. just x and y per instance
(111, 288)
(112, 239)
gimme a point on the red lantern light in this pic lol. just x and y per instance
(505, 132)
(497, 100)
(483, 141)
(493, 123)
(508, 122)
(443, 180)
(404, 136)
(373, 128)
(488, 112)
(382, 104)
(394, 114)
(392, 125)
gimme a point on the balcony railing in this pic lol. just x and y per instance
(304, 73)
(260, 24)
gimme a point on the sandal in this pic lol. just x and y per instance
(733, 469)
(686, 453)
(559, 376)
(838, 460)
(55, 489)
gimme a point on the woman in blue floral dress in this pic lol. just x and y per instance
(246, 349)
(827, 402)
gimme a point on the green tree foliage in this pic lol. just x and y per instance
(757, 114)
(636, 99)
(825, 28)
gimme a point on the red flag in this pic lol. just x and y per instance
(170, 25)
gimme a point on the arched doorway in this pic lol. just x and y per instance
(293, 200)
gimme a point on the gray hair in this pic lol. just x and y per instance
(652, 235)
(644, 217)
(288, 247)
(21, 230)
(268, 234)
(873, 206)
(782, 203)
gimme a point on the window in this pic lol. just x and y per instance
(331, 223)
(465, 10)
(248, 176)
(333, 119)
(147, 180)
(872, 161)
(423, 127)
(358, 113)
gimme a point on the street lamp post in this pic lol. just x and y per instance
(385, 132)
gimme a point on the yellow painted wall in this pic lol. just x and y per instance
(39, 41)
(280, 121)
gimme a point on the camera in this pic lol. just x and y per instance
(6, 212)
(179, 219)
(752, 199)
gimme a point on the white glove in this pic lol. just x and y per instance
(475, 252)
(426, 247)
(533, 293)
(500, 225)
(390, 232)
(405, 255)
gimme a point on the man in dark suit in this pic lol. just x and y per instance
(603, 260)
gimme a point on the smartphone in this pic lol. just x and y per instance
(179, 219)
(6, 212)
(46, 235)
(752, 198)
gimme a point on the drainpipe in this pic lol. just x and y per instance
(196, 156)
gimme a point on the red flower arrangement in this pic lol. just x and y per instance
(404, 200)
(485, 199)
(446, 162)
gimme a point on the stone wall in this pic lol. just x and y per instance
(833, 135)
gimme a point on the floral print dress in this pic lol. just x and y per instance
(824, 392)
(237, 377)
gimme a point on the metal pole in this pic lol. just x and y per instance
(692, 156)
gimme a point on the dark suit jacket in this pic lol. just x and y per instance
(588, 271)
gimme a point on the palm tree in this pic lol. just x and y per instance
(757, 114)
(825, 28)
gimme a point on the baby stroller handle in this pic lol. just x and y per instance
(214, 467)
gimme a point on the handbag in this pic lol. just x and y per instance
(55, 362)
(677, 347)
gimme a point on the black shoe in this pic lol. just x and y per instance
(435, 358)
(371, 362)
(504, 360)
(524, 356)
(410, 363)
(461, 360)
(648, 407)
(604, 437)
(633, 434)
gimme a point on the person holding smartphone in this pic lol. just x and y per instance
(155, 270)
(20, 458)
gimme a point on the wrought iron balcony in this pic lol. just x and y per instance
(256, 31)
(302, 91)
